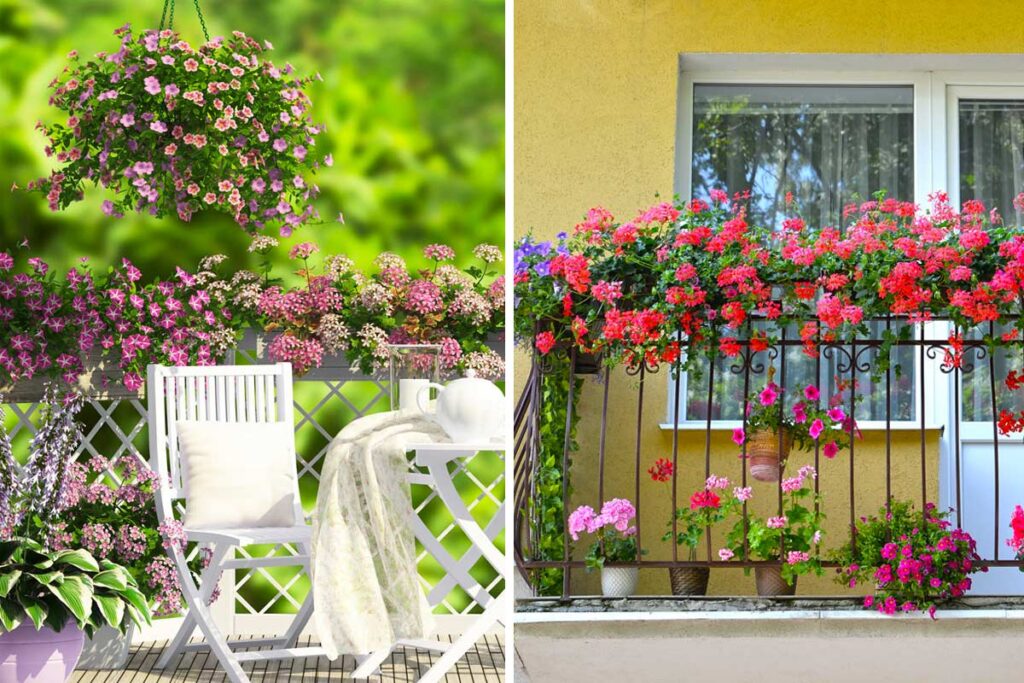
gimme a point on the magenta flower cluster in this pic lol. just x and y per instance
(925, 562)
(49, 325)
(172, 129)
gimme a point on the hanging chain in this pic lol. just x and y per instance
(202, 20)
(167, 17)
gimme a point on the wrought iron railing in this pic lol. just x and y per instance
(943, 370)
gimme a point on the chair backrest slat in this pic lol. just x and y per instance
(223, 393)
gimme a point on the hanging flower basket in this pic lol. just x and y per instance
(170, 129)
(766, 451)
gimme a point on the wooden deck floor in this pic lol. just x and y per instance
(486, 662)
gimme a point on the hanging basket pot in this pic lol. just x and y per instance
(771, 584)
(173, 130)
(689, 580)
(765, 455)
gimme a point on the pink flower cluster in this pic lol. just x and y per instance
(617, 513)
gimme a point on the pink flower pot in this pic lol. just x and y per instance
(44, 656)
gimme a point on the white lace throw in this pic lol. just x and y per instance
(366, 587)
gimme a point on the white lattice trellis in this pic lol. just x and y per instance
(325, 400)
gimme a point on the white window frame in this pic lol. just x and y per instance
(936, 95)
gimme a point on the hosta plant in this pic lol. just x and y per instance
(911, 560)
(56, 587)
(172, 129)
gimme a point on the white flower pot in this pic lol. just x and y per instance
(618, 582)
(107, 649)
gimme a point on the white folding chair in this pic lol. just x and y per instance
(258, 393)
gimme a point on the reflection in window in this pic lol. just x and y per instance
(827, 145)
(992, 153)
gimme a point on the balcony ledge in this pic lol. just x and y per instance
(648, 608)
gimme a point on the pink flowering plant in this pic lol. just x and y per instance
(910, 560)
(810, 422)
(708, 506)
(1016, 542)
(458, 309)
(171, 130)
(615, 529)
(109, 510)
(47, 577)
(51, 325)
(792, 536)
(309, 320)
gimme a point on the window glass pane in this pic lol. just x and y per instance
(991, 156)
(902, 380)
(828, 145)
(976, 399)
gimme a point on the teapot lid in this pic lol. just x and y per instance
(470, 373)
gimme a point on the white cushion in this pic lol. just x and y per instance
(237, 475)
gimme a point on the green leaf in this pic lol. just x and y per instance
(46, 578)
(138, 601)
(35, 609)
(7, 582)
(112, 608)
(10, 614)
(114, 579)
(78, 558)
(76, 593)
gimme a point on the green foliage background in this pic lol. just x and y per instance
(413, 100)
(412, 97)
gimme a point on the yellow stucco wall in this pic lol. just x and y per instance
(595, 124)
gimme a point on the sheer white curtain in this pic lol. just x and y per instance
(828, 146)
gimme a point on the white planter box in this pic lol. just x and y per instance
(107, 649)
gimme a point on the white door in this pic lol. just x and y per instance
(986, 161)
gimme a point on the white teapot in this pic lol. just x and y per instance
(469, 409)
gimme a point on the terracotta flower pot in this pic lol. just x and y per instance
(43, 656)
(618, 582)
(689, 580)
(770, 582)
(765, 456)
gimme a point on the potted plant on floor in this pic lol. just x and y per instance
(912, 560)
(708, 506)
(51, 598)
(788, 540)
(109, 512)
(616, 543)
(773, 429)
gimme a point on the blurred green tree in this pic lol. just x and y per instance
(412, 97)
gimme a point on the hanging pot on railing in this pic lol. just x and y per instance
(766, 452)
(619, 582)
(770, 582)
(689, 580)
